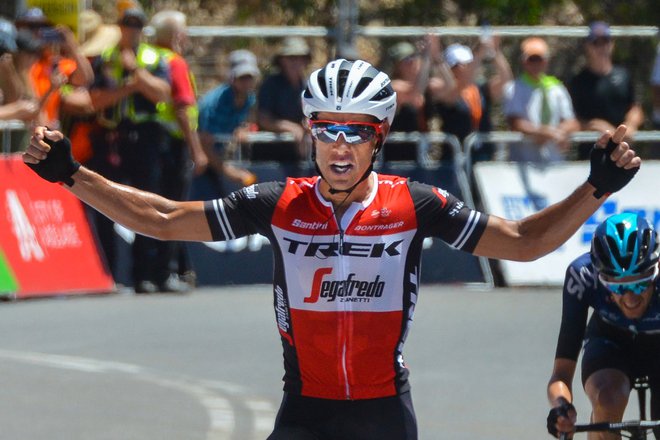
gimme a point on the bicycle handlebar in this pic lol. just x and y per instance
(632, 427)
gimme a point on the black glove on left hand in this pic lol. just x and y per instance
(59, 165)
(561, 410)
(605, 176)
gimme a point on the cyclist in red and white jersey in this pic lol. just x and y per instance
(347, 246)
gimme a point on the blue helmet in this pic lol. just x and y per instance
(624, 245)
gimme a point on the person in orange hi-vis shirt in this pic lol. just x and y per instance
(61, 62)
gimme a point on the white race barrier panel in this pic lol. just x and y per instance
(513, 191)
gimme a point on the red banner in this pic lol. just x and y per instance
(45, 236)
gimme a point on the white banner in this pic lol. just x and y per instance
(514, 191)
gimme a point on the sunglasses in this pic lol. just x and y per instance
(354, 132)
(600, 41)
(637, 287)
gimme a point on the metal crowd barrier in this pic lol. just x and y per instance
(505, 137)
(7, 127)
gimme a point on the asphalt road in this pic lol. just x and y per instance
(208, 366)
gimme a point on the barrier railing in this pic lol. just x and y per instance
(504, 137)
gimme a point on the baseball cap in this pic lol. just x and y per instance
(132, 16)
(243, 62)
(7, 35)
(598, 29)
(293, 46)
(458, 54)
(32, 17)
(401, 51)
(533, 46)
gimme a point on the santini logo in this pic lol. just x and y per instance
(309, 225)
(348, 290)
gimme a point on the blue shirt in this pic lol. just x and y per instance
(217, 114)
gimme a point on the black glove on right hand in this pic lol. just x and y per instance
(605, 176)
(59, 165)
(561, 410)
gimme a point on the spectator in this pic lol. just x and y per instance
(410, 72)
(539, 106)
(278, 103)
(60, 62)
(463, 105)
(77, 112)
(603, 93)
(180, 117)
(18, 97)
(13, 102)
(655, 90)
(131, 80)
(228, 110)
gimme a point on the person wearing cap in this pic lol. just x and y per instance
(603, 93)
(229, 111)
(132, 81)
(463, 105)
(16, 100)
(278, 103)
(539, 106)
(61, 62)
(410, 73)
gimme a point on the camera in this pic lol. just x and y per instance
(50, 35)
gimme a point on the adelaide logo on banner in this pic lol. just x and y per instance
(46, 245)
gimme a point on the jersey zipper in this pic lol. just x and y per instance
(345, 317)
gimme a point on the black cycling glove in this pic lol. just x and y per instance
(605, 176)
(561, 410)
(59, 165)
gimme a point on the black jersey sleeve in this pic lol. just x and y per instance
(243, 212)
(578, 286)
(441, 214)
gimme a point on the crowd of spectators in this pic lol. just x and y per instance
(131, 106)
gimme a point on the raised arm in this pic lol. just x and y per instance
(613, 164)
(49, 155)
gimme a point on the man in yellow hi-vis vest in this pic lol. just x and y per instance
(131, 82)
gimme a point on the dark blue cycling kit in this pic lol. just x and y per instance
(610, 339)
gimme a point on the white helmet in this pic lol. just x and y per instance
(350, 87)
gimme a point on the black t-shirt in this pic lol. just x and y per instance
(607, 97)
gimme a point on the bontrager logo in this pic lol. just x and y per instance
(348, 248)
(348, 290)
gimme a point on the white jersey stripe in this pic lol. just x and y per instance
(219, 208)
(465, 234)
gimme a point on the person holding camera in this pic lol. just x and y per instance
(60, 62)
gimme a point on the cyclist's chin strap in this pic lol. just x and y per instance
(366, 174)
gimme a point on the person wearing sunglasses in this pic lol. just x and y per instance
(346, 245)
(618, 279)
(603, 93)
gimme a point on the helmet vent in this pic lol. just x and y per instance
(383, 93)
(342, 75)
(321, 80)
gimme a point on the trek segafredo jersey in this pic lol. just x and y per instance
(344, 294)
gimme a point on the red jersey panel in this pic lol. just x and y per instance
(345, 291)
